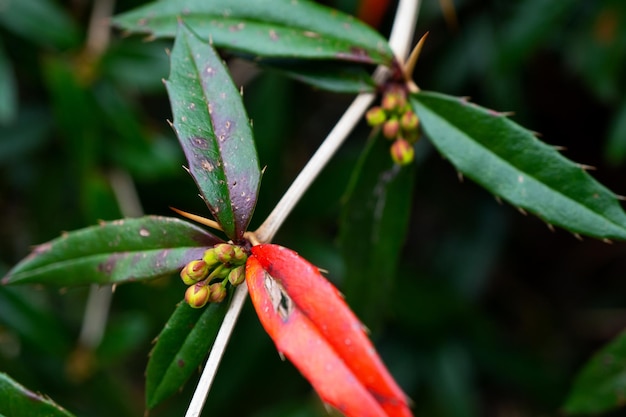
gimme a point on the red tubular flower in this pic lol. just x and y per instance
(312, 326)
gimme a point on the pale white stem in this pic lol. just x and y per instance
(338, 134)
(217, 351)
(400, 42)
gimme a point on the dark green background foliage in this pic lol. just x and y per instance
(489, 313)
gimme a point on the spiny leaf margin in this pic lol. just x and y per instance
(180, 347)
(214, 131)
(267, 28)
(113, 252)
(510, 162)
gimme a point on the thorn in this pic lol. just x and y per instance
(149, 38)
(620, 197)
(251, 123)
(459, 175)
(198, 219)
(171, 124)
(559, 148)
(265, 167)
(409, 66)
(551, 227)
(187, 169)
(113, 288)
(536, 134)
(241, 91)
(578, 237)
(211, 40)
(521, 210)
(365, 329)
(607, 241)
(168, 51)
(587, 167)
(282, 357)
(507, 113)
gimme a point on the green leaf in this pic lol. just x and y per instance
(513, 164)
(601, 384)
(616, 144)
(17, 401)
(8, 87)
(29, 317)
(42, 22)
(374, 224)
(214, 132)
(114, 252)
(269, 28)
(181, 347)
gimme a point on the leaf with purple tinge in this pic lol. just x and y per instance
(265, 28)
(15, 400)
(180, 348)
(114, 252)
(214, 132)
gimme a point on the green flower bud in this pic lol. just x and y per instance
(375, 116)
(218, 292)
(394, 101)
(239, 256)
(210, 257)
(402, 152)
(198, 295)
(391, 128)
(237, 275)
(194, 271)
(409, 121)
(225, 252)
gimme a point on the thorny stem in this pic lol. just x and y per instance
(400, 42)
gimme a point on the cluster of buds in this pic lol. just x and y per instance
(398, 123)
(207, 277)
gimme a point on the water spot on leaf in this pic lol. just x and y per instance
(273, 35)
(144, 232)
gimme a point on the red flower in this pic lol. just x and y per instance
(314, 328)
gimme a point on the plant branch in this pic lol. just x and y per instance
(217, 351)
(400, 41)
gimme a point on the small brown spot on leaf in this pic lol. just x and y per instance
(207, 166)
(180, 363)
(200, 143)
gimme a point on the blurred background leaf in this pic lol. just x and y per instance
(482, 293)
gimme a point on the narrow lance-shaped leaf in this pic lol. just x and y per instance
(373, 228)
(513, 164)
(214, 132)
(180, 348)
(114, 252)
(313, 327)
(600, 386)
(17, 401)
(268, 28)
